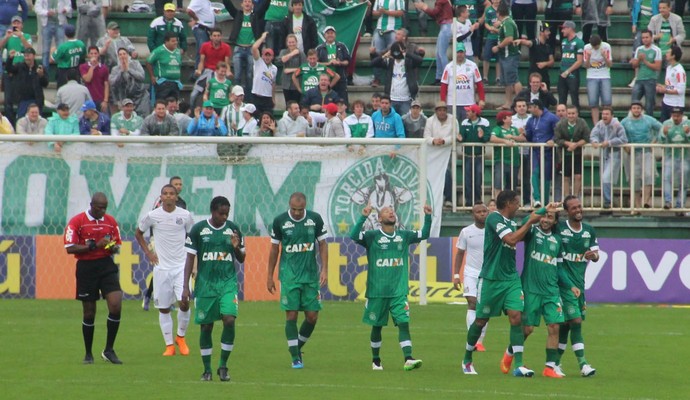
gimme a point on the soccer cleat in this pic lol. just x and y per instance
(110, 356)
(182, 344)
(297, 364)
(207, 376)
(559, 371)
(587, 371)
(479, 347)
(169, 351)
(468, 369)
(377, 367)
(551, 373)
(88, 359)
(412, 364)
(145, 303)
(223, 374)
(523, 372)
(506, 362)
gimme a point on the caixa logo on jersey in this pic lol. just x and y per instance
(379, 181)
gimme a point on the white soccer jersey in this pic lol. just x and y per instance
(387, 23)
(170, 230)
(597, 60)
(462, 28)
(264, 78)
(466, 76)
(471, 240)
(675, 80)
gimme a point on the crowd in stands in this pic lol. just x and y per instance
(103, 88)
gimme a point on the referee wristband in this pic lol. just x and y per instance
(456, 276)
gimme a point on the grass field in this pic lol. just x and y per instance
(639, 353)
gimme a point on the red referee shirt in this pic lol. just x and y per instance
(83, 227)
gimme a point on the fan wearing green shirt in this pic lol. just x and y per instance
(68, 55)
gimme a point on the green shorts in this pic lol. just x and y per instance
(211, 309)
(494, 297)
(376, 310)
(573, 307)
(300, 296)
(537, 305)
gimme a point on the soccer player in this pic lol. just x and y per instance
(296, 230)
(580, 246)
(170, 225)
(471, 241)
(93, 237)
(388, 279)
(499, 287)
(218, 243)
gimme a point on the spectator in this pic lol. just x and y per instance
(572, 49)
(7, 13)
(32, 123)
(519, 121)
(596, 12)
(63, 122)
(491, 27)
(27, 82)
(675, 131)
(390, 17)
(387, 123)
(165, 68)
(506, 157)
(375, 102)
(93, 122)
(679, 7)
(202, 12)
(647, 61)
(161, 26)
(68, 55)
(273, 13)
(308, 74)
(474, 129)
(642, 13)
(540, 129)
(316, 121)
(302, 26)
(321, 95)
(402, 36)
(570, 135)
(242, 36)
(6, 127)
(667, 27)
(91, 20)
(126, 122)
(111, 43)
(541, 58)
(231, 114)
(212, 53)
(160, 123)
(334, 125)
(608, 134)
(52, 19)
(640, 129)
(442, 13)
(557, 12)
(127, 82)
(96, 78)
(336, 56)
(74, 94)
(181, 113)
(525, 16)
(265, 74)
(12, 45)
(537, 90)
(464, 28)
(290, 59)
(342, 113)
(674, 88)
(414, 121)
(206, 122)
(267, 126)
(160, 6)
(400, 78)
(218, 88)
(250, 123)
(359, 124)
(597, 61)
(439, 129)
(561, 111)
(467, 84)
(292, 124)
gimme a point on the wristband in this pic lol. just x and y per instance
(456, 276)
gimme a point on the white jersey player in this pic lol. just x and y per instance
(471, 246)
(170, 225)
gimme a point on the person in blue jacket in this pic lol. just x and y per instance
(206, 122)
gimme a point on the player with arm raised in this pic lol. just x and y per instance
(170, 225)
(297, 231)
(388, 275)
(218, 243)
(471, 242)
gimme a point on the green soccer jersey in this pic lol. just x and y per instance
(70, 54)
(166, 64)
(506, 155)
(575, 244)
(132, 125)
(15, 43)
(665, 31)
(309, 76)
(509, 29)
(645, 15)
(542, 262)
(471, 7)
(388, 257)
(246, 36)
(213, 247)
(298, 240)
(570, 49)
(499, 258)
(277, 10)
(490, 17)
(218, 92)
(675, 135)
(651, 54)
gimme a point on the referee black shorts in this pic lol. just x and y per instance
(96, 276)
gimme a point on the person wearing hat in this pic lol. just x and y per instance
(468, 84)
(508, 54)
(439, 129)
(414, 121)
(400, 77)
(52, 18)
(334, 125)
(675, 131)
(15, 41)
(160, 122)
(63, 122)
(540, 129)
(91, 20)
(26, 83)
(73, 93)
(164, 24)
(93, 122)
(68, 55)
(127, 82)
(335, 55)
(265, 75)
(474, 129)
(541, 57)
(126, 122)
(675, 83)
(159, 6)
(572, 55)
(206, 122)
(231, 114)
(608, 135)
(165, 68)
(570, 135)
(250, 123)
(111, 42)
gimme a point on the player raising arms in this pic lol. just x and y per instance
(388, 278)
(169, 224)
(218, 243)
(296, 231)
(580, 246)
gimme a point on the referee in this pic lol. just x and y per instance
(93, 237)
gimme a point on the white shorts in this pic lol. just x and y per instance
(167, 286)
(469, 285)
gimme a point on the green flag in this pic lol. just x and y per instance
(347, 19)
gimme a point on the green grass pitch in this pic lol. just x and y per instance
(639, 352)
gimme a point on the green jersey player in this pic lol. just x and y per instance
(388, 278)
(218, 243)
(298, 231)
(580, 246)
